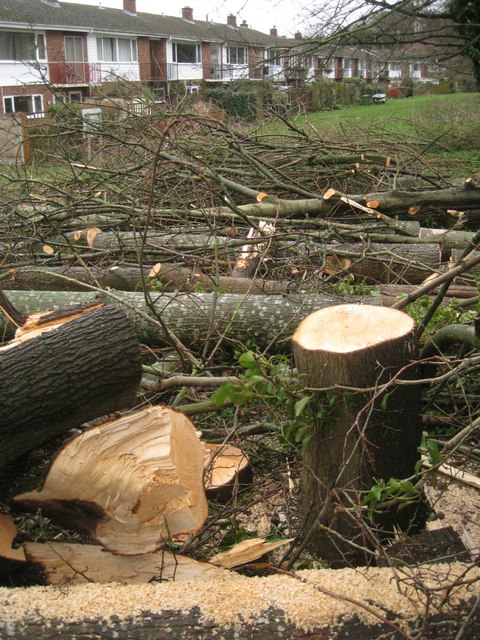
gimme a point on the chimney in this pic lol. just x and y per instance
(274, 32)
(244, 24)
(232, 21)
(298, 35)
(187, 14)
(130, 6)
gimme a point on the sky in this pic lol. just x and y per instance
(286, 15)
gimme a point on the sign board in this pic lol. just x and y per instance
(91, 119)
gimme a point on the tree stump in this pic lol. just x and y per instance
(363, 436)
(57, 377)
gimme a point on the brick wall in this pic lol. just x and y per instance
(55, 46)
(206, 61)
(158, 53)
(144, 59)
(255, 62)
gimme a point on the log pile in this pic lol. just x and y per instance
(173, 252)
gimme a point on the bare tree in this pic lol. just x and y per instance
(447, 29)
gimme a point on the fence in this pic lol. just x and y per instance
(14, 142)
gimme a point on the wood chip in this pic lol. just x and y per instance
(246, 551)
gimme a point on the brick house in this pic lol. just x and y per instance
(54, 51)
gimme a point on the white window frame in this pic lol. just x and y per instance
(113, 44)
(233, 57)
(36, 103)
(198, 52)
(74, 95)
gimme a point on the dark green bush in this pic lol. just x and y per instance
(243, 99)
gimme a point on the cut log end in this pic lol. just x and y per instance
(133, 483)
(226, 468)
(348, 328)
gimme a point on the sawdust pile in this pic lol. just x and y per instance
(229, 600)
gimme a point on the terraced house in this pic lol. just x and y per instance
(55, 51)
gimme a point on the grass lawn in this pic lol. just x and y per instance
(445, 127)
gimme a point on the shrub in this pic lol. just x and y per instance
(244, 100)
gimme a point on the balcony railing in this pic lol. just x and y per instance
(70, 72)
(229, 71)
(184, 71)
(296, 73)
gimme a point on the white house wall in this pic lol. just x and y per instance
(15, 74)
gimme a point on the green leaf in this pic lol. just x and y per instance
(253, 378)
(301, 404)
(301, 433)
(306, 440)
(247, 360)
(384, 402)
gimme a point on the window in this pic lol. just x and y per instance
(75, 96)
(73, 49)
(158, 94)
(40, 44)
(192, 88)
(275, 56)
(236, 55)
(22, 46)
(394, 66)
(113, 50)
(299, 61)
(27, 104)
(186, 52)
(127, 50)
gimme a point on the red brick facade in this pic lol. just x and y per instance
(158, 60)
(143, 48)
(206, 61)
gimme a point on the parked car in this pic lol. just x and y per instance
(379, 98)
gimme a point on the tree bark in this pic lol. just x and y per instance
(173, 277)
(357, 441)
(388, 262)
(195, 318)
(400, 202)
(85, 368)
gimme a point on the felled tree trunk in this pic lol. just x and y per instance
(359, 437)
(76, 371)
(386, 263)
(265, 319)
(413, 202)
(173, 277)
